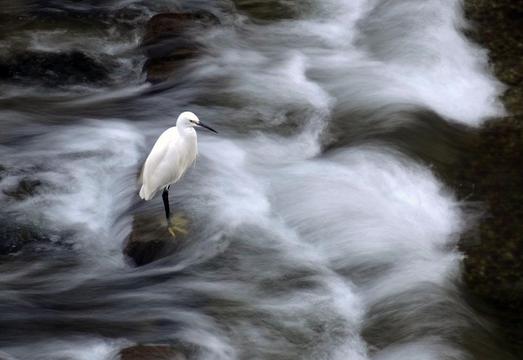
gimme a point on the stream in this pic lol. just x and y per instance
(320, 224)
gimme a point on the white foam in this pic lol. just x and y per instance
(368, 55)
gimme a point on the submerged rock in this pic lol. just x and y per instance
(151, 352)
(170, 41)
(17, 231)
(2, 171)
(52, 69)
(15, 237)
(26, 188)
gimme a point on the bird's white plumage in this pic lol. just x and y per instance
(172, 154)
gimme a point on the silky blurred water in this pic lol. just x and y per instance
(319, 228)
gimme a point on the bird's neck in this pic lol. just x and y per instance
(186, 131)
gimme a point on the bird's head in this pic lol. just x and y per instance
(189, 119)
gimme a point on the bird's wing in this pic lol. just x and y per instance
(157, 154)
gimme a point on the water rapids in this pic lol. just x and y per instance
(318, 228)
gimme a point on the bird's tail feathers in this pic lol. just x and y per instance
(144, 195)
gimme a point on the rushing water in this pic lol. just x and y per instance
(313, 234)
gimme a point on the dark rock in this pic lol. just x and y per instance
(150, 240)
(492, 174)
(169, 42)
(496, 26)
(151, 352)
(52, 69)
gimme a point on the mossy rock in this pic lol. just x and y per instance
(492, 171)
(491, 174)
(496, 25)
(494, 264)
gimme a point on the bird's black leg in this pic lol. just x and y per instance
(165, 197)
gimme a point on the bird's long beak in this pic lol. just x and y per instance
(207, 127)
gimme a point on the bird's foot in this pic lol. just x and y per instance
(177, 225)
(171, 231)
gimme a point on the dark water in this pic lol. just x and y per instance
(318, 226)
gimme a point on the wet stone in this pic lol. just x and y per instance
(150, 240)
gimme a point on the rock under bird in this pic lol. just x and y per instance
(172, 154)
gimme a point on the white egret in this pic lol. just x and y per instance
(172, 154)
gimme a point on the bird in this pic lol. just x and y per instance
(172, 154)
